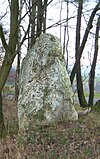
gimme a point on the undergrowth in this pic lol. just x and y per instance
(66, 140)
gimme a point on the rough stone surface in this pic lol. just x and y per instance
(45, 92)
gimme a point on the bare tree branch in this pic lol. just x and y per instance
(5, 45)
(59, 23)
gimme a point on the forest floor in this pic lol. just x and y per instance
(71, 140)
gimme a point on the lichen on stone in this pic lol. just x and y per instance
(45, 90)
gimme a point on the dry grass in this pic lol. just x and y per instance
(70, 140)
(10, 115)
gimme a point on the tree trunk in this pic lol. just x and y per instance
(80, 91)
(4, 72)
(45, 15)
(39, 18)
(32, 20)
(17, 76)
(79, 83)
(89, 26)
(2, 127)
(81, 97)
(18, 56)
(93, 66)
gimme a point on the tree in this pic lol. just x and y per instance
(18, 54)
(79, 50)
(87, 31)
(10, 50)
(92, 71)
(80, 91)
(37, 19)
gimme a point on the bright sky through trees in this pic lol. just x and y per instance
(53, 16)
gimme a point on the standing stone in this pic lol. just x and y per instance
(45, 91)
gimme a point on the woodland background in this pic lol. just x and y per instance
(78, 22)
